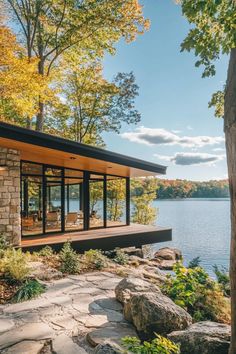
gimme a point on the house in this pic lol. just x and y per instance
(53, 189)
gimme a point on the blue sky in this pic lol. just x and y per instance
(177, 128)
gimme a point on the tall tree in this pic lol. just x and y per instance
(213, 34)
(91, 104)
(49, 28)
(20, 85)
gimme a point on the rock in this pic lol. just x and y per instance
(130, 285)
(110, 304)
(112, 332)
(63, 344)
(29, 331)
(108, 348)
(42, 271)
(166, 265)
(203, 337)
(154, 312)
(136, 259)
(169, 254)
(6, 324)
(133, 251)
(29, 347)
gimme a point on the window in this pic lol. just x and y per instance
(116, 201)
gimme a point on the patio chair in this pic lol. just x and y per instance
(72, 218)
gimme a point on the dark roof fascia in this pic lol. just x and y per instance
(33, 137)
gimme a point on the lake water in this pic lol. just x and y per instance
(201, 227)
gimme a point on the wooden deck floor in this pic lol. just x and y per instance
(105, 239)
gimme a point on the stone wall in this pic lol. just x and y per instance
(10, 220)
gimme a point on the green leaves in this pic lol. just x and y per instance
(213, 33)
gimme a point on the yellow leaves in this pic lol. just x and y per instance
(20, 84)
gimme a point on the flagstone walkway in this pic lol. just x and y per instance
(73, 316)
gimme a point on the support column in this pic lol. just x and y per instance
(10, 208)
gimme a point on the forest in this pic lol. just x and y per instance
(172, 189)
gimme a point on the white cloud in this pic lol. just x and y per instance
(191, 158)
(150, 137)
(219, 149)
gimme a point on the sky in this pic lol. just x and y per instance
(177, 128)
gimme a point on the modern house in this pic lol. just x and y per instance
(52, 189)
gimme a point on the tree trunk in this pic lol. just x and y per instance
(40, 117)
(230, 135)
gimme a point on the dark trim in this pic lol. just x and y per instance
(12, 132)
(86, 200)
(128, 201)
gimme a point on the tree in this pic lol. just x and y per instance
(20, 84)
(143, 193)
(93, 105)
(214, 34)
(116, 198)
(49, 28)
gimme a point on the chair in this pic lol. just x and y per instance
(53, 218)
(27, 222)
(72, 218)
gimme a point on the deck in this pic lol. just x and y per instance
(104, 239)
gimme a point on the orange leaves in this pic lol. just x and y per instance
(20, 84)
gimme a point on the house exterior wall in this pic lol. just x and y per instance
(10, 220)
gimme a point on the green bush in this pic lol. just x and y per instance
(194, 263)
(29, 290)
(69, 259)
(4, 244)
(223, 279)
(95, 259)
(159, 345)
(47, 252)
(197, 293)
(121, 257)
(14, 265)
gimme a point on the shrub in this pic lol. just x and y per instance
(47, 252)
(95, 259)
(159, 345)
(121, 257)
(29, 290)
(223, 279)
(14, 264)
(4, 244)
(69, 259)
(196, 292)
(194, 263)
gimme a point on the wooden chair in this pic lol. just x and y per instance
(72, 218)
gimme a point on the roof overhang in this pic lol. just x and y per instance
(44, 148)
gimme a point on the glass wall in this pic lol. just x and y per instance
(55, 199)
(74, 211)
(96, 201)
(116, 201)
(32, 205)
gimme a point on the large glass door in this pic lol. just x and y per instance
(96, 201)
(53, 200)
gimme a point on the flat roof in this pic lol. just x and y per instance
(44, 148)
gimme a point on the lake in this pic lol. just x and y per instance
(201, 227)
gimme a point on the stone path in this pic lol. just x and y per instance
(73, 316)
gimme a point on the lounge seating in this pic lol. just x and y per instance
(72, 218)
(53, 218)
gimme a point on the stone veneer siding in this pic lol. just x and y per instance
(10, 220)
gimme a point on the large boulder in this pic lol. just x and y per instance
(131, 285)
(203, 338)
(167, 257)
(153, 313)
(169, 254)
(133, 251)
